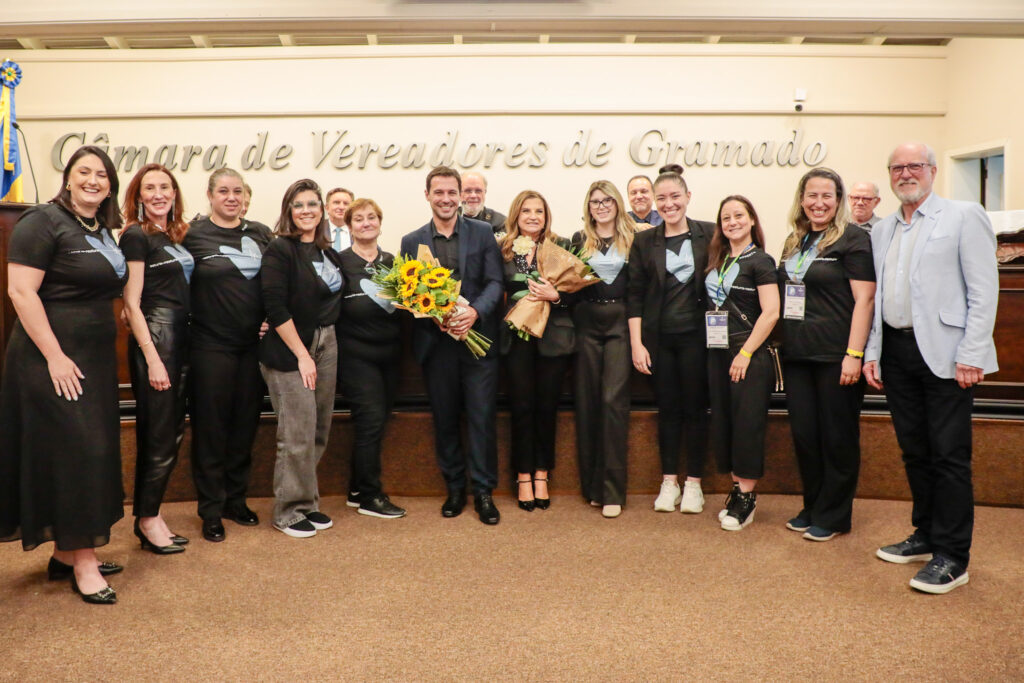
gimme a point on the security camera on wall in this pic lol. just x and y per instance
(799, 97)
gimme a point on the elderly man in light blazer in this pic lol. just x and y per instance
(930, 343)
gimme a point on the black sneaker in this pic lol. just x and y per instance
(381, 506)
(741, 512)
(353, 499)
(319, 520)
(914, 549)
(798, 523)
(940, 576)
(301, 529)
(728, 501)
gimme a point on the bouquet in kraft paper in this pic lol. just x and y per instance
(421, 286)
(565, 271)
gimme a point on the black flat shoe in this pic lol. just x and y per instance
(213, 530)
(453, 505)
(58, 571)
(170, 549)
(104, 596)
(178, 540)
(527, 505)
(241, 514)
(542, 503)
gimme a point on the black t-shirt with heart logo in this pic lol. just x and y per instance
(79, 265)
(227, 300)
(168, 268)
(365, 316)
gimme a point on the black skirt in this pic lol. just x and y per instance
(60, 460)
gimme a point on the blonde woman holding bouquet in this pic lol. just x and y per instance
(603, 353)
(536, 366)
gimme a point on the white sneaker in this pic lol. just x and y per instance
(611, 511)
(693, 498)
(668, 498)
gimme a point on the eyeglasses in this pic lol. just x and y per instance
(601, 203)
(858, 199)
(299, 206)
(897, 169)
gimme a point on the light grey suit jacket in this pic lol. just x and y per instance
(954, 286)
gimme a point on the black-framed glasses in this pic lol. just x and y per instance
(601, 203)
(915, 168)
(299, 206)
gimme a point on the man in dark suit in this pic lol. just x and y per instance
(456, 381)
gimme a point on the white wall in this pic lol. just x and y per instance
(862, 100)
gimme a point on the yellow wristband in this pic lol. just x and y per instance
(854, 353)
(745, 353)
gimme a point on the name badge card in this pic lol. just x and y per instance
(796, 297)
(717, 326)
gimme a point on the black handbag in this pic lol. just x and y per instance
(772, 347)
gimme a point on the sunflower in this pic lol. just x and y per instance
(410, 268)
(447, 307)
(436, 277)
(425, 302)
(408, 288)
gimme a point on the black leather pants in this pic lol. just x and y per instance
(160, 415)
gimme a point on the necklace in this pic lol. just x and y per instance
(91, 228)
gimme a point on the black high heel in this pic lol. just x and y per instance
(58, 571)
(542, 503)
(104, 596)
(146, 544)
(178, 540)
(527, 505)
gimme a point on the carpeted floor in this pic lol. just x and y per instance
(557, 595)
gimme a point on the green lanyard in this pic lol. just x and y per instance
(803, 255)
(725, 271)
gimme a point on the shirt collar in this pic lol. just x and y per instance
(926, 209)
(435, 233)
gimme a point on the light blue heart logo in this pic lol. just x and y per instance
(371, 290)
(183, 257)
(680, 265)
(247, 260)
(798, 264)
(607, 266)
(328, 272)
(716, 292)
(105, 245)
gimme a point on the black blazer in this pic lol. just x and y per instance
(646, 289)
(560, 334)
(290, 292)
(480, 274)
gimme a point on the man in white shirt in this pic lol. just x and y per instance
(338, 200)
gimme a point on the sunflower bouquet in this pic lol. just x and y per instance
(421, 286)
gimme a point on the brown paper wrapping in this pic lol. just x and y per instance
(563, 270)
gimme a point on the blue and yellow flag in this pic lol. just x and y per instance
(10, 175)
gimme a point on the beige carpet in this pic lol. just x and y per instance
(553, 595)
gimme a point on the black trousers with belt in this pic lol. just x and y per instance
(602, 400)
(459, 384)
(534, 386)
(824, 417)
(159, 415)
(932, 419)
(739, 410)
(224, 406)
(369, 380)
(680, 379)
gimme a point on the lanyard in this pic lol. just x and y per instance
(719, 290)
(803, 255)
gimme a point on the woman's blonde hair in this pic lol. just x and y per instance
(801, 225)
(625, 227)
(512, 222)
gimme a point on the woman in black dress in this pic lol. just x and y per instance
(226, 388)
(827, 277)
(535, 367)
(156, 300)
(741, 288)
(602, 358)
(60, 458)
(369, 355)
(666, 328)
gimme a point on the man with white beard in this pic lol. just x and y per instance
(930, 343)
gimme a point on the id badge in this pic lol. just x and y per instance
(717, 326)
(793, 304)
